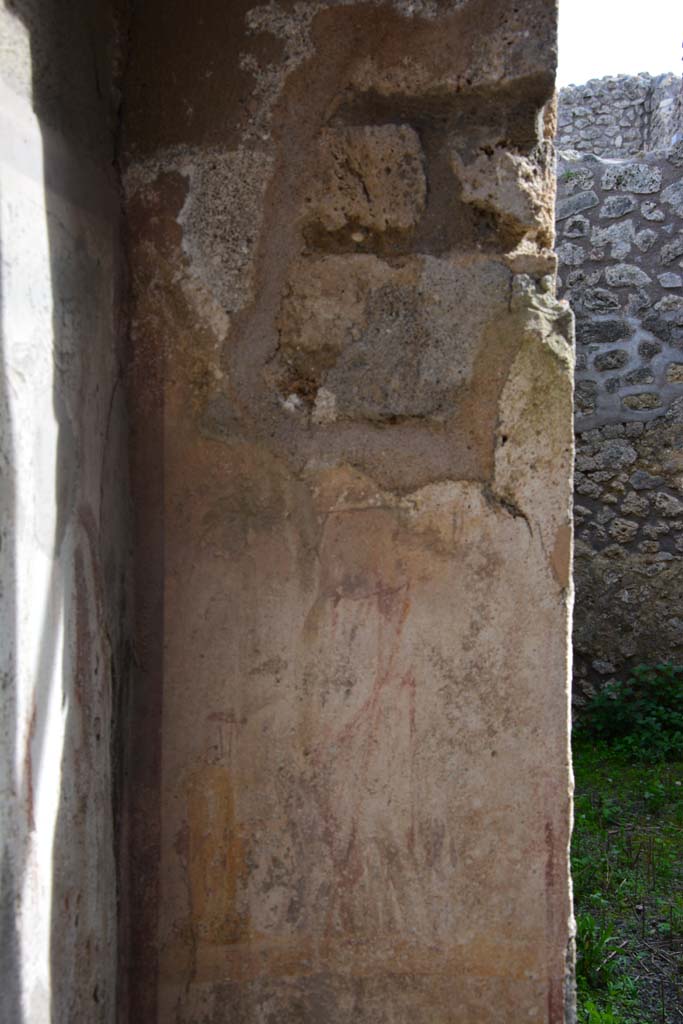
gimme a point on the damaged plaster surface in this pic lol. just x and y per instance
(352, 409)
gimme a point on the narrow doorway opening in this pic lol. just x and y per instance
(619, 243)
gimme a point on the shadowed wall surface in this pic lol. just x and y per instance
(64, 511)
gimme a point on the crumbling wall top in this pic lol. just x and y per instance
(621, 116)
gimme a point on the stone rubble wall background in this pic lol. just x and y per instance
(621, 116)
(620, 249)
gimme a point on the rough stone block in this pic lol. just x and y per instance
(670, 307)
(674, 373)
(619, 237)
(624, 275)
(651, 211)
(646, 239)
(511, 187)
(571, 255)
(649, 349)
(613, 360)
(641, 375)
(673, 197)
(602, 330)
(632, 177)
(387, 342)
(600, 300)
(675, 156)
(635, 505)
(623, 531)
(576, 227)
(615, 454)
(576, 203)
(641, 480)
(642, 400)
(667, 504)
(617, 206)
(369, 183)
(672, 250)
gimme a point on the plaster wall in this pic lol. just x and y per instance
(63, 513)
(351, 387)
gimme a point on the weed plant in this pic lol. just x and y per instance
(627, 852)
(641, 718)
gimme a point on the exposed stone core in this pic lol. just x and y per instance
(353, 446)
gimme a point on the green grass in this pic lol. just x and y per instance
(627, 865)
